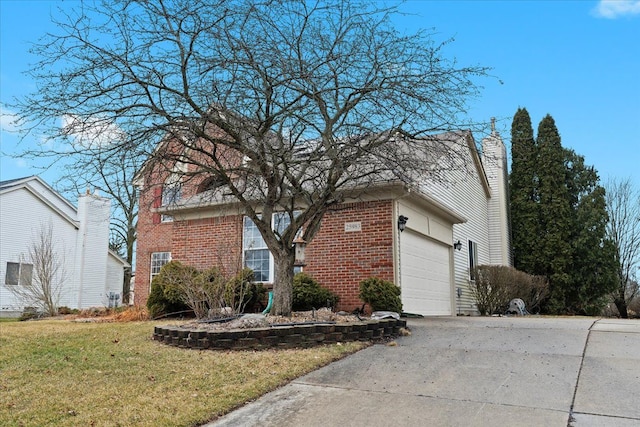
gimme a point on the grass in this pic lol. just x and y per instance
(57, 372)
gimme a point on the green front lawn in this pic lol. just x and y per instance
(57, 372)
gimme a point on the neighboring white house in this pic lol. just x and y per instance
(28, 207)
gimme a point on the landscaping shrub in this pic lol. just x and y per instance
(205, 290)
(309, 294)
(381, 295)
(160, 302)
(490, 288)
(179, 288)
(496, 285)
(242, 292)
(29, 313)
(64, 310)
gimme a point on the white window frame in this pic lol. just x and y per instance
(158, 260)
(255, 242)
(23, 277)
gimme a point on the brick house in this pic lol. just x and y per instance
(357, 239)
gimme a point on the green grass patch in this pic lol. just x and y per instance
(57, 372)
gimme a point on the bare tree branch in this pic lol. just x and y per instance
(623, 229)
(42, 288)
(286, 105)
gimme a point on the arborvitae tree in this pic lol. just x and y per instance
(555, 214)
(593, 269)
(559, 219)
(523, 193)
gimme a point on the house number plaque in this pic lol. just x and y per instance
(350, 227)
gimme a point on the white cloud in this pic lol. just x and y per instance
(94, 133)
(8, 120)
(612, 9)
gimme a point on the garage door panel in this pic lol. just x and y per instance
(425, 275)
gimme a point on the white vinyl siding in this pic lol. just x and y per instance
(464, 192)
(80, 236)
(495, 164)
(23, 215)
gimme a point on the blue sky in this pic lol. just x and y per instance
(576, 60)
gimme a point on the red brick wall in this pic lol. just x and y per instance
(192, 242)
(208, 242)
(152, 237)
(339, 260)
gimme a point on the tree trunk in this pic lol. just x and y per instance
(283, 283)
(621, 305)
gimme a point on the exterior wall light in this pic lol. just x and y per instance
(402, 222)
(457, 245)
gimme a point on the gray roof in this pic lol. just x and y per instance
(11, 182)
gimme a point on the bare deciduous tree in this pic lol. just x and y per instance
(318, 100)
(85, 163)
(623, 229)
(48, 276)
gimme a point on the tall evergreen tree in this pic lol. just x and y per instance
(559, 218)
(593, 269)
(555, 221)
(523, 192)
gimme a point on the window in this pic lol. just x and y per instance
(171, 194)
(473, 259)
(18, 274)
(256, 254)
(158, 260)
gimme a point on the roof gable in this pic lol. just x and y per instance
(46, 194)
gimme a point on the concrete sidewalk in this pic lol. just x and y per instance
(460, 371)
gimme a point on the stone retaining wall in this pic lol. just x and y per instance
(279, 336)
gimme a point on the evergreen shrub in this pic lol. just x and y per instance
(163, 298)
(381, 295)
(309, 294)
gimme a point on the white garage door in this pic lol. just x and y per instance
(424, 275)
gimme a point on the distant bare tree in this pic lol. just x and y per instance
(318, 100)
(623, 207)
(44, 288)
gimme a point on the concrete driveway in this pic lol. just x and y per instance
(461, 371)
